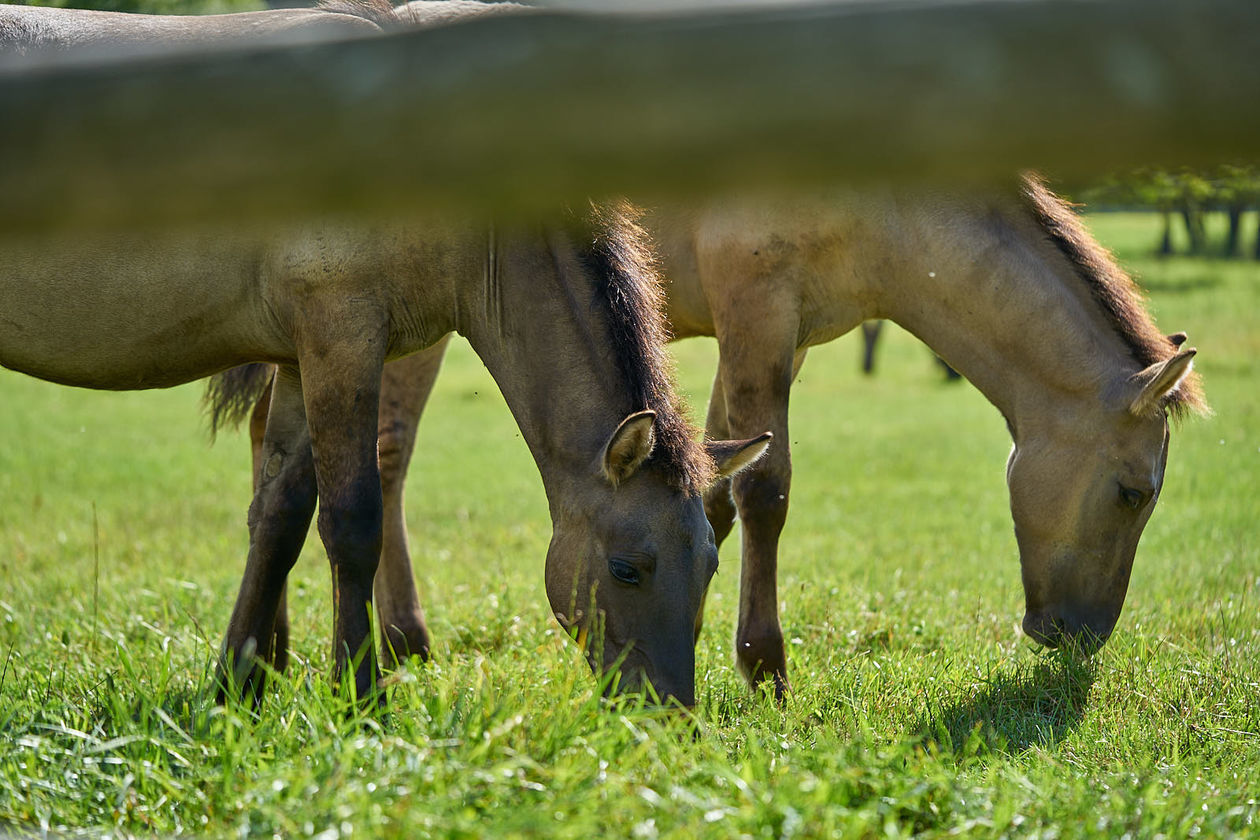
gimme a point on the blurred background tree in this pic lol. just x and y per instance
(1189, 195)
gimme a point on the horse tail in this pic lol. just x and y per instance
(232, 394)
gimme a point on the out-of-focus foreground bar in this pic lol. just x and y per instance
(521, 114)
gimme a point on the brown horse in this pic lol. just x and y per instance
(1011, 291)
(564, 316)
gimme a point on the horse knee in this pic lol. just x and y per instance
(287, 504)
(278, 518)
(762, 497)
(352, 534)
(286, 485)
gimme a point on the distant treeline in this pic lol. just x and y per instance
(1188, 196)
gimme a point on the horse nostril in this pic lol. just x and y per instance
(1057, 629)
(1044, 629)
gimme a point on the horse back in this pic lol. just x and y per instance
(32, 31)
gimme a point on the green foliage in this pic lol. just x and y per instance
(1230, 189)
(1159, 189)
(917, 708)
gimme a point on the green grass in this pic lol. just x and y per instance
(917, 706)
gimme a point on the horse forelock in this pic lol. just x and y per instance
(1111, 288)
(618, 251)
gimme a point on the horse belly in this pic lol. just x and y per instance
(113, 355)
(123, 319)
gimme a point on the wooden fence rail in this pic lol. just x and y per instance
(518, 114)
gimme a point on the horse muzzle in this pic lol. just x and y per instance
(674, 686)
(1084, 631)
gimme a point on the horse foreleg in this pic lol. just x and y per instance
(405, 388)
(279, 516)
(719, 505)
(757, 391)
(341, 384)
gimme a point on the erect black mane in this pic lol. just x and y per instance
(618, 250)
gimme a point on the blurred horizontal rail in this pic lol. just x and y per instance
(521, 114)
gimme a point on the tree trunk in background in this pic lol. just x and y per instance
(1256, 253)
(1165, 242)
(1235, 229)
(1195, 230)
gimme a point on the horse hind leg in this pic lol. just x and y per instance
(405, 388)
(279, 652)
(279, 516)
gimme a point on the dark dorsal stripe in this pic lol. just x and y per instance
(618, 251)
(1111, 288)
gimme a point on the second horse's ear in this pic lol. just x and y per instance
(1156, 382)
(731, 456)
(629, 447)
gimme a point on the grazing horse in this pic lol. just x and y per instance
(1012, 291)
(567, 320)
(565, 316)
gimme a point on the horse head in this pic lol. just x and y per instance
(630, 561)
(1083, 486)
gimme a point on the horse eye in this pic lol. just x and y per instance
(623, 571)
(1131, 498)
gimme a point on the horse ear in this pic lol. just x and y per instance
(1158, 381)
(629, 446)
(731, 456)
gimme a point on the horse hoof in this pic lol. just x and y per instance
(762, 661)
(399, 644)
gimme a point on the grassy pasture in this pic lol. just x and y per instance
(917, 707)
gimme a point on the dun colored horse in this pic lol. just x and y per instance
(1011, 291)
(565, 317)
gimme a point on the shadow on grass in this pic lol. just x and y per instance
(1032, 705)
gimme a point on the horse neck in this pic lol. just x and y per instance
(530, 318)
(996, 299)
